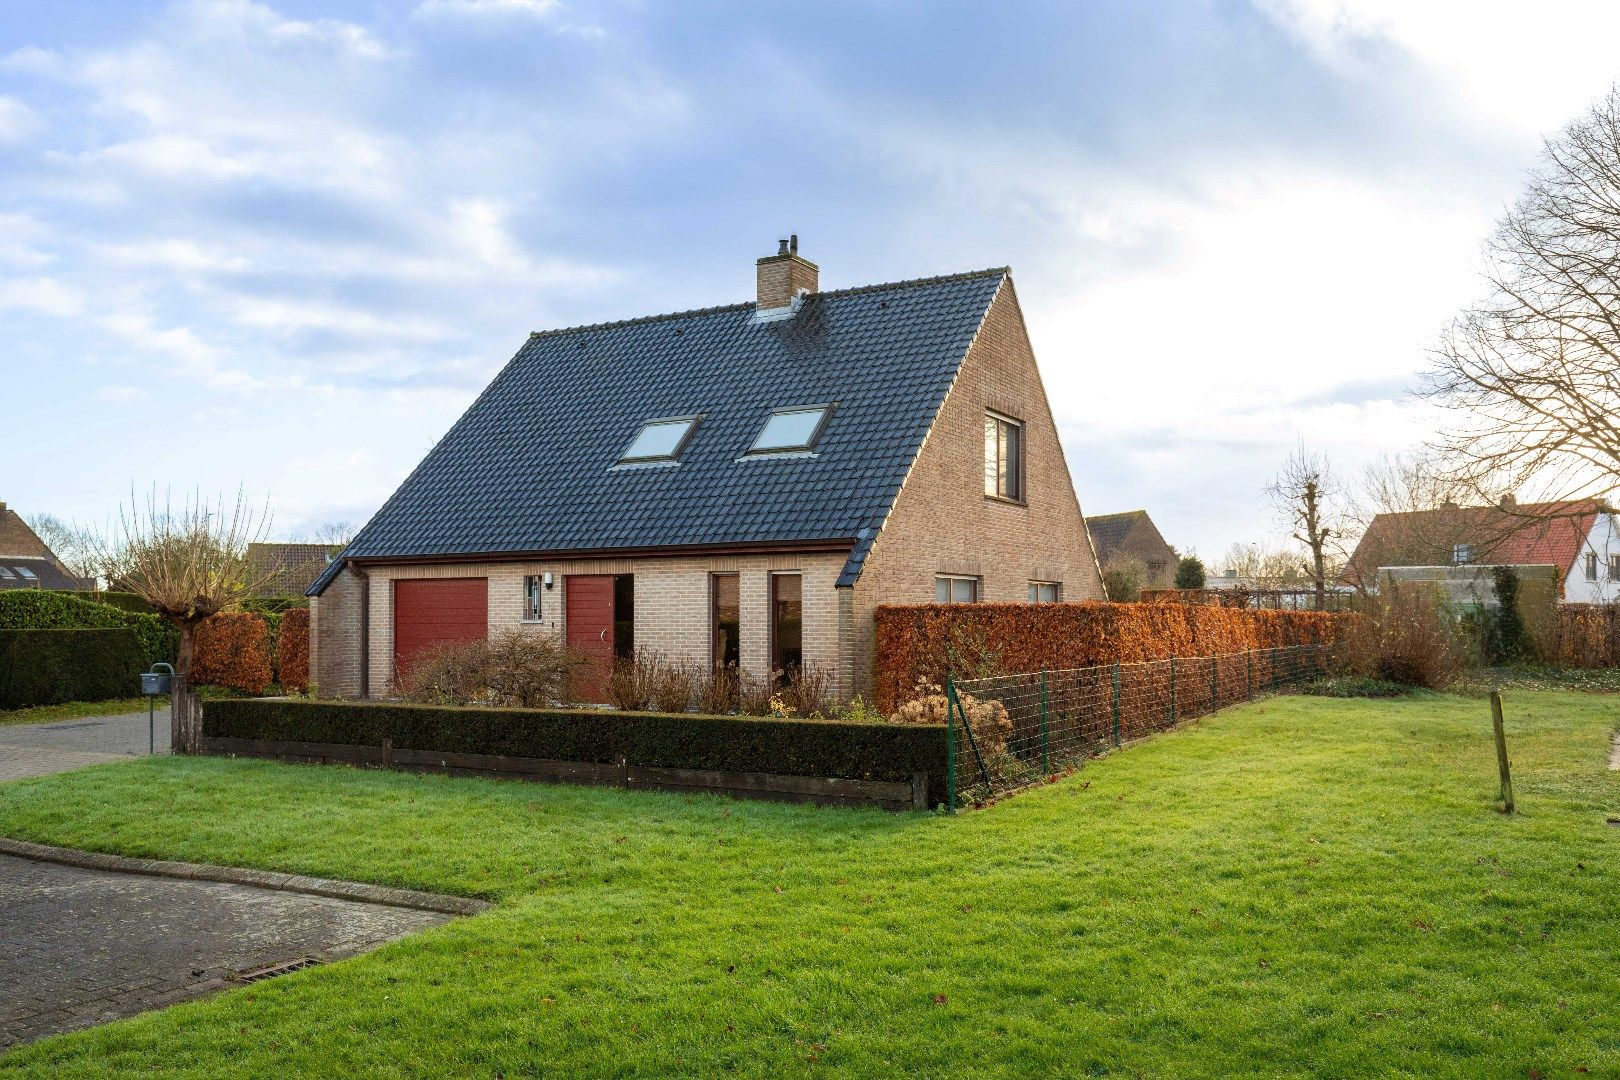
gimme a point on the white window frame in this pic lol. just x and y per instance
(1462, 554)
(534, 587)
(952, 580)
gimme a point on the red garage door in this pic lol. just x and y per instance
(429, 612)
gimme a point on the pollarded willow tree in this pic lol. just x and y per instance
(1531, 374)
(188, 561)
(1306, 497)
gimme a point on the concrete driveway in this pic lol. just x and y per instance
(40, 749)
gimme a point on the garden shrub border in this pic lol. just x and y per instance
(49, 667)
(820, 749)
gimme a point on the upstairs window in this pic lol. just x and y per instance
(1003, 457)
(1462, 554)
(1591, 566)
(790, 430)
(660, 440)
(1614, 567)
(954, 589)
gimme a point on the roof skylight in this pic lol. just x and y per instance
(660, 440)
(25, 572)
(6, 574)
(788, 430)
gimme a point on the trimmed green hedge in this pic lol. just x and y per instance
(48, 667)
(124, 601)
(825, 748)
(34, 609)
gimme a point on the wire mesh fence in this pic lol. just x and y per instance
(1010, 731)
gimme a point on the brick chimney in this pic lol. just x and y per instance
(1507, 501)
(784, 278)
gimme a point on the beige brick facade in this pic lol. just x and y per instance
(941, 523)
(672, 610)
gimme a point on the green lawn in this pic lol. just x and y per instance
(1296, 887)
(73, 710)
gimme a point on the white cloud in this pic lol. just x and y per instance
(20, 237)
(1529, 66)
(17, 120)
(174, 253)
(122, 395)
(45, 295)
(542, 8)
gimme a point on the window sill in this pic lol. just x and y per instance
(1003, 500)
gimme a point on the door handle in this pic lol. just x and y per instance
(603, 636)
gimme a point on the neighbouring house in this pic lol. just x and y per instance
(27, 563)
(1577, 537)
(732, 485)
(288, 570)
(1132, 535)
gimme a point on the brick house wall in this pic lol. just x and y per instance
(672, 610)
(942, 521)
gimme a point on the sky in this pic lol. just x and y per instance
(281, 246)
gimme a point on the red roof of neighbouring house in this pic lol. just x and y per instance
(1518, 534)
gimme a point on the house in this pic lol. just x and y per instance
(1132, 535)
(26, 562)
(287, 570)
(1577, 537)
(739, 484)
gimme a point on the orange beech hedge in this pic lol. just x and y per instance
(233, 649)
(1585, 636)
(918, 643)
(292, 650)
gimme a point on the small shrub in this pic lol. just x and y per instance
(1354, 686)
(649, 680)
(718, 690)
(513, 669)
(991, 723)
(233, 649)
(806, 691)
(1416, 641)
(1190, 573)
(673, 687)
(755, 695)
(858, 711)
(1124, 579)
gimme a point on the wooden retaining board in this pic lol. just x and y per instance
(886, 794)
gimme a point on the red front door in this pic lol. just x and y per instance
(429, 612)
(588, 616)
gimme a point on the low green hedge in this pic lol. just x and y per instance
(34, 609)
(48, 667)
(850, 751)
(124, 601)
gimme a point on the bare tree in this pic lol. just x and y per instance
(73, 546)
(1306, 496)
(1264, 567)
(1531, 374)
(189, 562)
(334, 534)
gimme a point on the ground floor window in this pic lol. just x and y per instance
(532, 584)
(787, 621)
(725, 620)
(1045, 592)
(953, 589)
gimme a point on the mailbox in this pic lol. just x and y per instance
(155, 681)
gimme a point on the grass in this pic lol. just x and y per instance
(74, 710)
(1303, 886)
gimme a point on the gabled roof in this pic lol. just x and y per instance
(38, 572)
(16, 538)
(1520, 534)
(287, 569)
(531, 467)
(1109, 532)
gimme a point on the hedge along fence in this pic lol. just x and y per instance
(233, 649)
(33, 609)
(924, 643)
(659, 744)
(292, 650)
(1583, 636)
(48, 667)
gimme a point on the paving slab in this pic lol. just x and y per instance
(80, 947)
(28, 750)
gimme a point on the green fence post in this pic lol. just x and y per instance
(1116, 704)
(1172, 691)
(1046, 755)
(1249, 679)
(1214, 684)
(950, 743)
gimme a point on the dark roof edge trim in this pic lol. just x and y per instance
(831, 545)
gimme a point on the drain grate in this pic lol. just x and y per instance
(270, 971)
